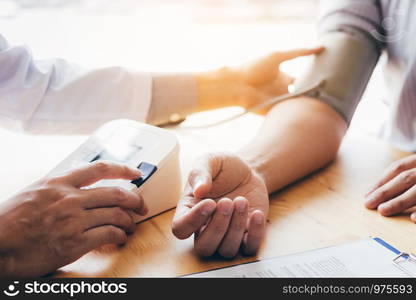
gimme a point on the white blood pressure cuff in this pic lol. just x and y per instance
(344, 67)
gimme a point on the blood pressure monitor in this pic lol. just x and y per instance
(153, 150)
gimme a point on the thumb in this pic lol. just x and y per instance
(201, 177)
(200, 182)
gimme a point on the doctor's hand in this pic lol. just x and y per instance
(249, 84)
(54, 222)
(395, 192)
(225, 206)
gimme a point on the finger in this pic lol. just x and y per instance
(279, 86)
(115, 196)
(413, 217)
(391, 189)
(285, 80)
(189, 220)
(255, 232)
(398, 204)
(103, 235)
(292, 54)
(94, 172)
(232, 240)
(207, 242)
(393, 170)
(200, 178)
(109, 216)
(267, 69)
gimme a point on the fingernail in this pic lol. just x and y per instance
(367, 199)
(382, 205)
(226, 209)
(383, 208)
(258, 219)
(207, 210)
(136, 172)
(198, 182)
(240, 206)
(132, 188)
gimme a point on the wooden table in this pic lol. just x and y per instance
(322, 210)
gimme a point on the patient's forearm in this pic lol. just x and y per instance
(298, 137)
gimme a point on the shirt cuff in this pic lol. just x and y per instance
(174, 96)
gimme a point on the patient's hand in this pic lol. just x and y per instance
(396, 190)
(247, 85)
(225, 204)
(53, 222)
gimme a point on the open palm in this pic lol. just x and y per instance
(225, 204)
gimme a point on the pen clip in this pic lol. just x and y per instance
(408, 259)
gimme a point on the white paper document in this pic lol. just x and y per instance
(364, 258)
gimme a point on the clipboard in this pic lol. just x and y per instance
(375, 262)
(404, 261)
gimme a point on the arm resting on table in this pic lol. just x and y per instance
(298, 137)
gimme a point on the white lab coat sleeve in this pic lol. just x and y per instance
(56, 97)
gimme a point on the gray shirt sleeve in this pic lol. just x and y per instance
(348, 29)
(364, 16)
